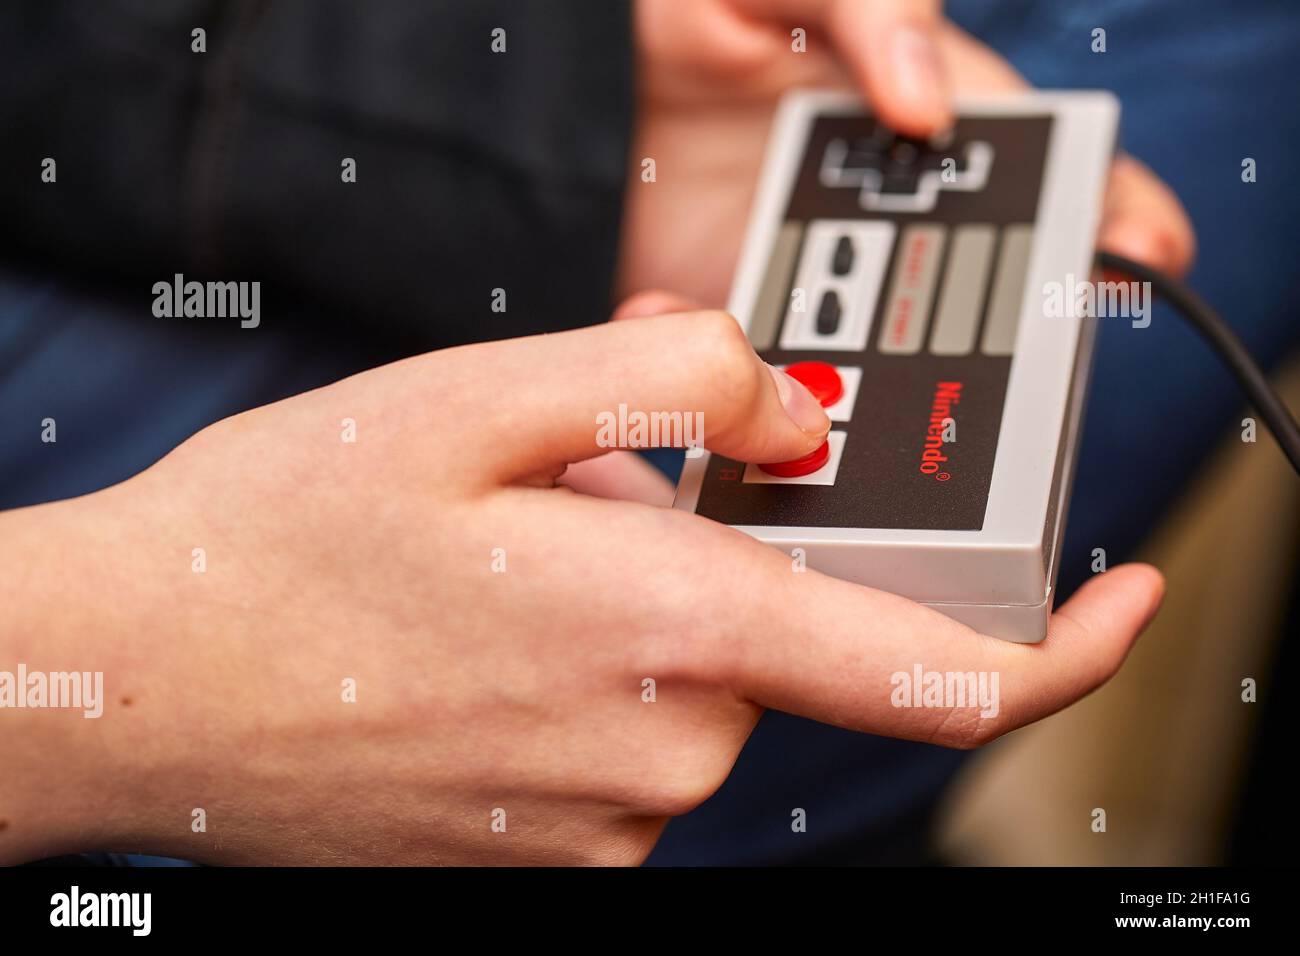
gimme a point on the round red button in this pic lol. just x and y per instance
(800, 466)
(820, 378)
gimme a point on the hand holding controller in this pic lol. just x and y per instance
(902, 280)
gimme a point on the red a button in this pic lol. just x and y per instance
(820, 378)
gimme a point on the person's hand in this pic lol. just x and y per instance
(415, 647)
(710, 73)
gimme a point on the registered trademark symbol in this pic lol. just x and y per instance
(942, 476)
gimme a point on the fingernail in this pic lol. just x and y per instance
(804, 410)
(916, 67)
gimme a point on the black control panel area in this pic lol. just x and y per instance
(894, 289)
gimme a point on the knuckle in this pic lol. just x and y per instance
(694, 754)
(964, 728)
(682, 787)
(727, 354)
(627, 846)
(1105, 667)
(694, 639)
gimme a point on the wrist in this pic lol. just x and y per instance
(77, 747)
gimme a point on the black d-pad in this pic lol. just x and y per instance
(894, 173)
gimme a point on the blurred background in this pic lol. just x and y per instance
(1188, 773)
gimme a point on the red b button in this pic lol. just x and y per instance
(800, 466)
(820, 378)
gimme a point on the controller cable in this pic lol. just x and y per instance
(1225, 343)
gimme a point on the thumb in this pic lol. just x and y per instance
(891, 47)
(666, 381)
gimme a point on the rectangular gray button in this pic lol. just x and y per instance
(771, 303)
(961, 298)
(1007, 297)
(916, 271)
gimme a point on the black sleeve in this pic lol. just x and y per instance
(475, 170)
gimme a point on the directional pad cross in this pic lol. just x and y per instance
(903, 174)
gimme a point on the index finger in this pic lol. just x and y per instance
(852, 656)
(889, 46)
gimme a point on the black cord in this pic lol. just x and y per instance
(1224, 341)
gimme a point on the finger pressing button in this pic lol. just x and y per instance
(806, 465)
(820, 378)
